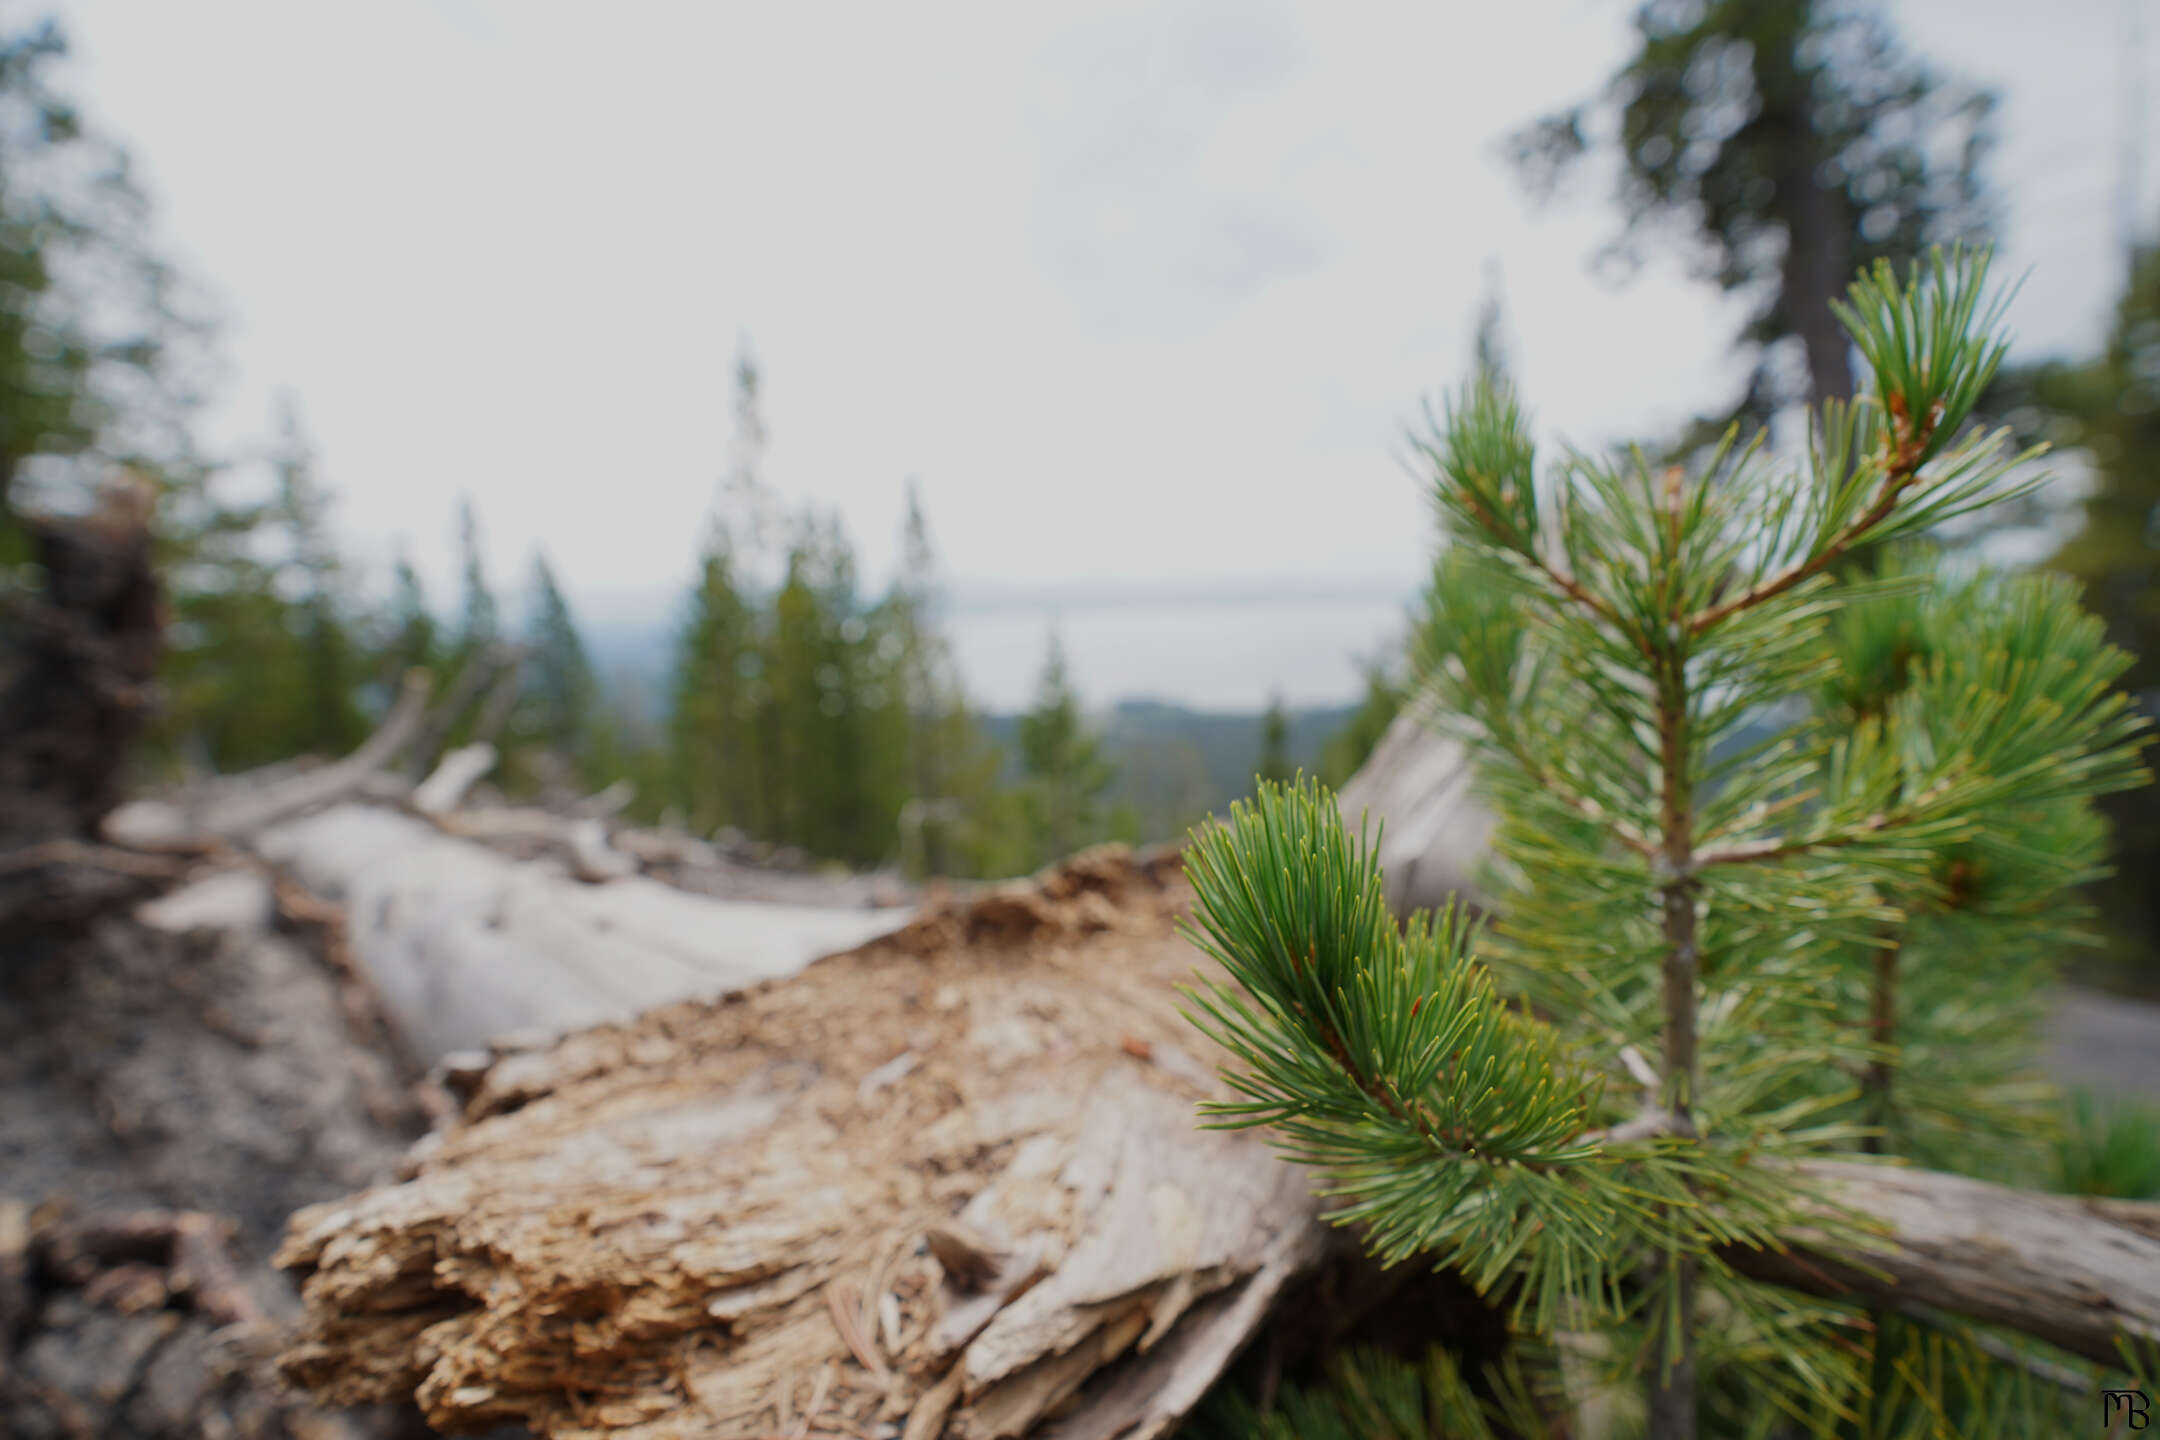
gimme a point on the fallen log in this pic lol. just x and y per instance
(949, 1183)
(465, 944)
(717, 1218)
(2065, 1269)
(242, 810)
(481, 667)
(1419, 782)
(581, 842)
(444, 790)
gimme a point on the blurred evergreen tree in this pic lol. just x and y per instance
(712, 739)
(951, 769)
(1161, 790)
(718, 743)
(312, 580)
(1061, 760)
(101, 354)
(97, 357)
(559, 705)
(820, 763)
(2109, 407)
(1782, 144)
(479, 623)
(1274, 761)
(1349, 748)
(1830, 940)
(410, 638)
(803, 715)
(1386, 689)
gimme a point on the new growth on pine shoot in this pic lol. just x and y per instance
(1790, 853)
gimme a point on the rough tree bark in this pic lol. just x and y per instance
(1436, 832)
(949, 1181)
(950, 1184)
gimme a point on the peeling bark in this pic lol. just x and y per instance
(949, 1183)
(718, 1219)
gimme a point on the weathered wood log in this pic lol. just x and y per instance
(242, 811)
(465, 943)
(714, 1220)
(2071, 1271)
(738, 1217)
(606, 803)
(581, 842)
(473, 677)
(457, 773)
(1435, 833)
(501, 697)
(592, 858)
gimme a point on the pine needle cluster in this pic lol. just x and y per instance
(1787, 849)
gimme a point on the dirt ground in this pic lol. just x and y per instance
(2105, 1042)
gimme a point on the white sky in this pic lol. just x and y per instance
(1142, 293)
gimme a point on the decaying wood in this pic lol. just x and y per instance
(444, 789)
(465, 943)
(2068, 1270)
(608, 802)
(1436, 831)
(592, 858)
(245, 810)
(582, 843)
(501, 697)
(950, 1181)
(715, 1220)
(473, 677)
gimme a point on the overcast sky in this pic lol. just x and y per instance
(1144, 294)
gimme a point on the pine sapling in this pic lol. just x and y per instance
(1787, 852)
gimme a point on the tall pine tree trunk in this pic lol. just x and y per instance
(1818, 233)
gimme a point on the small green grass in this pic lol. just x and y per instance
(2108, 1147)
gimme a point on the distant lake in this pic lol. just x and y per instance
(1207, 655)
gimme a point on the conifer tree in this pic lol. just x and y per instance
(2109, 407)
(328, 720)
(1783, 854)
(720, 726)
(478, 621)
(1065, 774)
(410, 639)
(95, 347)
(1274, 761)
(950, 768)
(713, 736)
(1351, 746)
(1160, 790)
(1791, 142)
(821, 760)
(559, 701)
